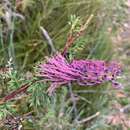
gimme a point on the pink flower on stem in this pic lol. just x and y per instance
(59, 72)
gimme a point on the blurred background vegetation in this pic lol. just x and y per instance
(22, 46)
(26, 44)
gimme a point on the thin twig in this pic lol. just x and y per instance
(93, 91)
(49, 40)
(13, 94)
(73, 100)
(18, 16)
(88, 118)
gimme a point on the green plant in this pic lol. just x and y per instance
(24, 44)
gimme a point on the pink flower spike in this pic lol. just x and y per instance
(59, 72)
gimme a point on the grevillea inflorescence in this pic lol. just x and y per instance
(59, 71)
